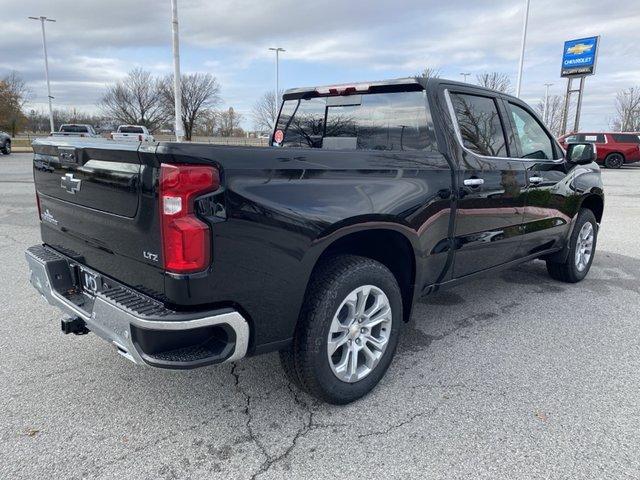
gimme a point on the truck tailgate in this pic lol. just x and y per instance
(98, 204)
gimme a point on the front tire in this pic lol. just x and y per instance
(6, 149)
(348, 330)
(582, 248)
(614, 160)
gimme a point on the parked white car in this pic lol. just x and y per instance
(134, 133)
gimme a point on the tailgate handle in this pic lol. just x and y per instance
(67, 156)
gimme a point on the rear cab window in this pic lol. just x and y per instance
(74, 129)
(130, 130)
(386, 121)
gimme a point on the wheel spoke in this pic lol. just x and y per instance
(337, 326)
(363, 296)
(337, 343)
(353, 363)
(377, 305)
(378, 343)
(370, 358)
(381, 316)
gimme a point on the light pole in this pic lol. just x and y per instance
(545, 112)
(177, 87)
(46, 65)
(524, 41)
(464, 76)
(277, 97)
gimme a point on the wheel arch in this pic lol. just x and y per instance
(595, 203)
(387, 245)
(616, 152)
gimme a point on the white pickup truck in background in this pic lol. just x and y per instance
(134, 133)
(74, 130)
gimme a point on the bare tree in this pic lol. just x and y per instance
(208, 123)
(430, 72)
(13, 96)
(553, 115)
(264, 112)
(495, 81)
(135, 100)
(200, 91)
(38, 120)
(230, 123)
(627, 116)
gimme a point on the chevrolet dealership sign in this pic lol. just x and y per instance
(579, 57)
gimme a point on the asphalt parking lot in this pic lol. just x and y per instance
(510, 376)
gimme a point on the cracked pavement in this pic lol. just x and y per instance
(510, 376)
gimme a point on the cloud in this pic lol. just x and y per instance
(93, 43)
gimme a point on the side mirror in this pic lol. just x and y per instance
(581, 153)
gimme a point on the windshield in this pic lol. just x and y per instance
(380, 121)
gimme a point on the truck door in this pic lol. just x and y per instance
(491, 193)
(550, 199)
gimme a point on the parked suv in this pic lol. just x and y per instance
(372, 195)
(5, 143)
(613, 149)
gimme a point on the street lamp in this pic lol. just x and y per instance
(46, 65)
(277, 97)
(464, 76)
(524, 41)
(177, 85)
(545, 112)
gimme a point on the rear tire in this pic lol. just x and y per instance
(353, 308)
(582, 248)
(614, 160)
(6, 149)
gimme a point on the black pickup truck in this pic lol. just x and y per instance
(370, 196)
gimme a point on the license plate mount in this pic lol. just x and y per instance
(90, 281)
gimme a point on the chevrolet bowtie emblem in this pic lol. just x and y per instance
(579, 49)
(70, 184)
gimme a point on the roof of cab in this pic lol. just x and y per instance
(378, 83)
(425, 83)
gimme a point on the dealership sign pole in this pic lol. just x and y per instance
(578, 61)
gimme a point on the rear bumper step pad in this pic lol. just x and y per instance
(141, 328)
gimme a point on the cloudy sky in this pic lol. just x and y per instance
(95, 42)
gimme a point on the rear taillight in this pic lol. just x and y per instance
(186, 240)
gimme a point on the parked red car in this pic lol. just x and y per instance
(614, 149)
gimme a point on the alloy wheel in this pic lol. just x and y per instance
(584, 246)
(359, 333)
(615, 161)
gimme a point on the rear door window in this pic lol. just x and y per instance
(479, 124)
(534, 141)
(380, 121)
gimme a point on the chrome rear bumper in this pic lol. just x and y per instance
(141, 328)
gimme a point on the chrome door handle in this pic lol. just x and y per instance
(535, 180)
(473, 182)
